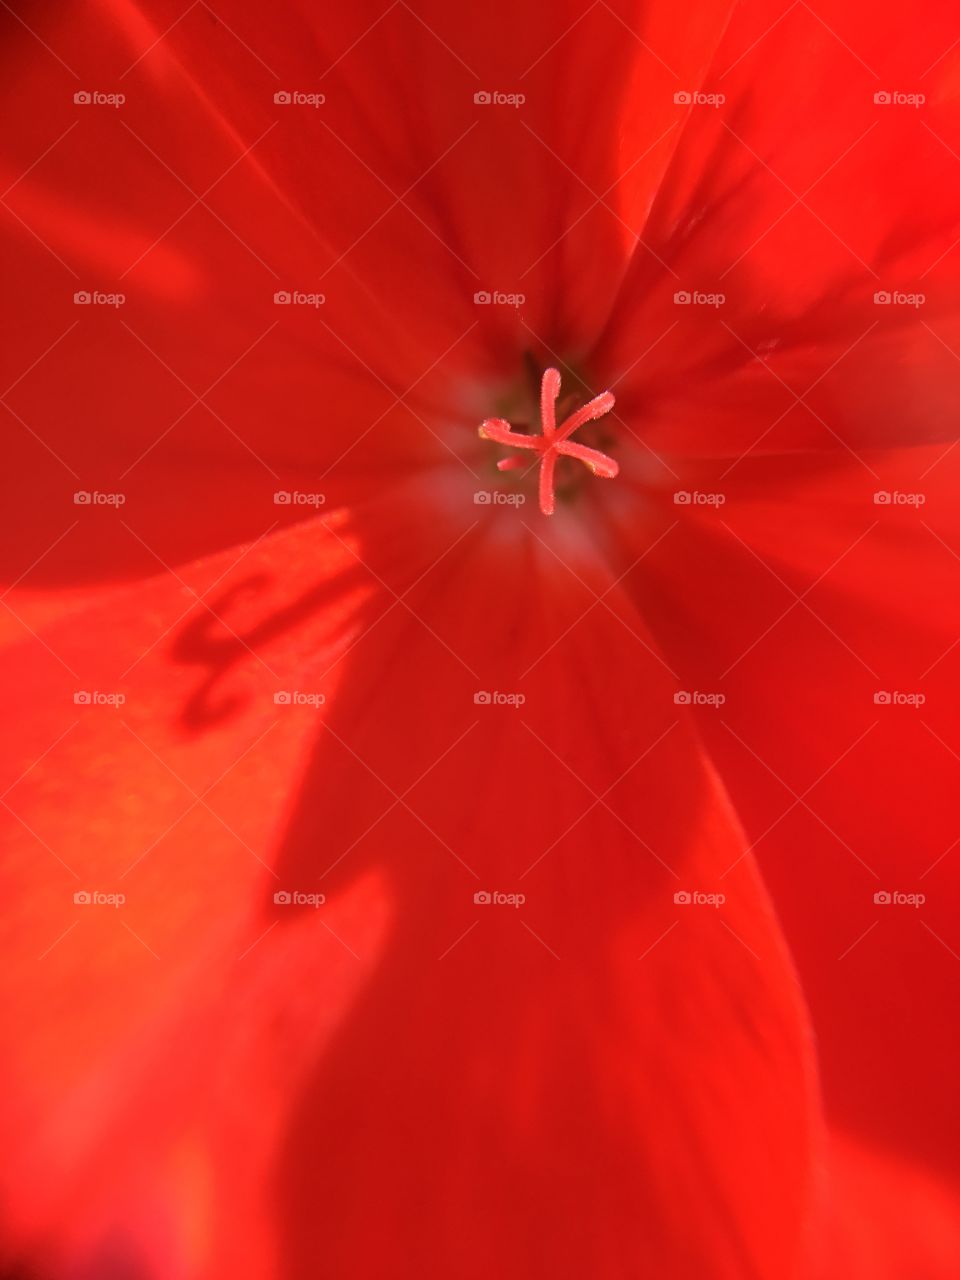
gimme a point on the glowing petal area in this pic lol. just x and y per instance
(554, 442)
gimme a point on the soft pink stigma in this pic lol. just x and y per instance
(554, 442)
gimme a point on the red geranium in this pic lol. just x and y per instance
(417, 868)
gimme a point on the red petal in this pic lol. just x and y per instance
(802, 601)
(885, 1218)
(567, 1076)
(795, 201)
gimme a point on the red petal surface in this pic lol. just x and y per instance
(796, 200)
(600, 1045)
(803, 626)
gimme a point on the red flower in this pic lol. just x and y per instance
(392, 869)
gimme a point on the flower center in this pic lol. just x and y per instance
(554, 442)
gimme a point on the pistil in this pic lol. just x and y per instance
(554, 441)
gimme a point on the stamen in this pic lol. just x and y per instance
(554, 441)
